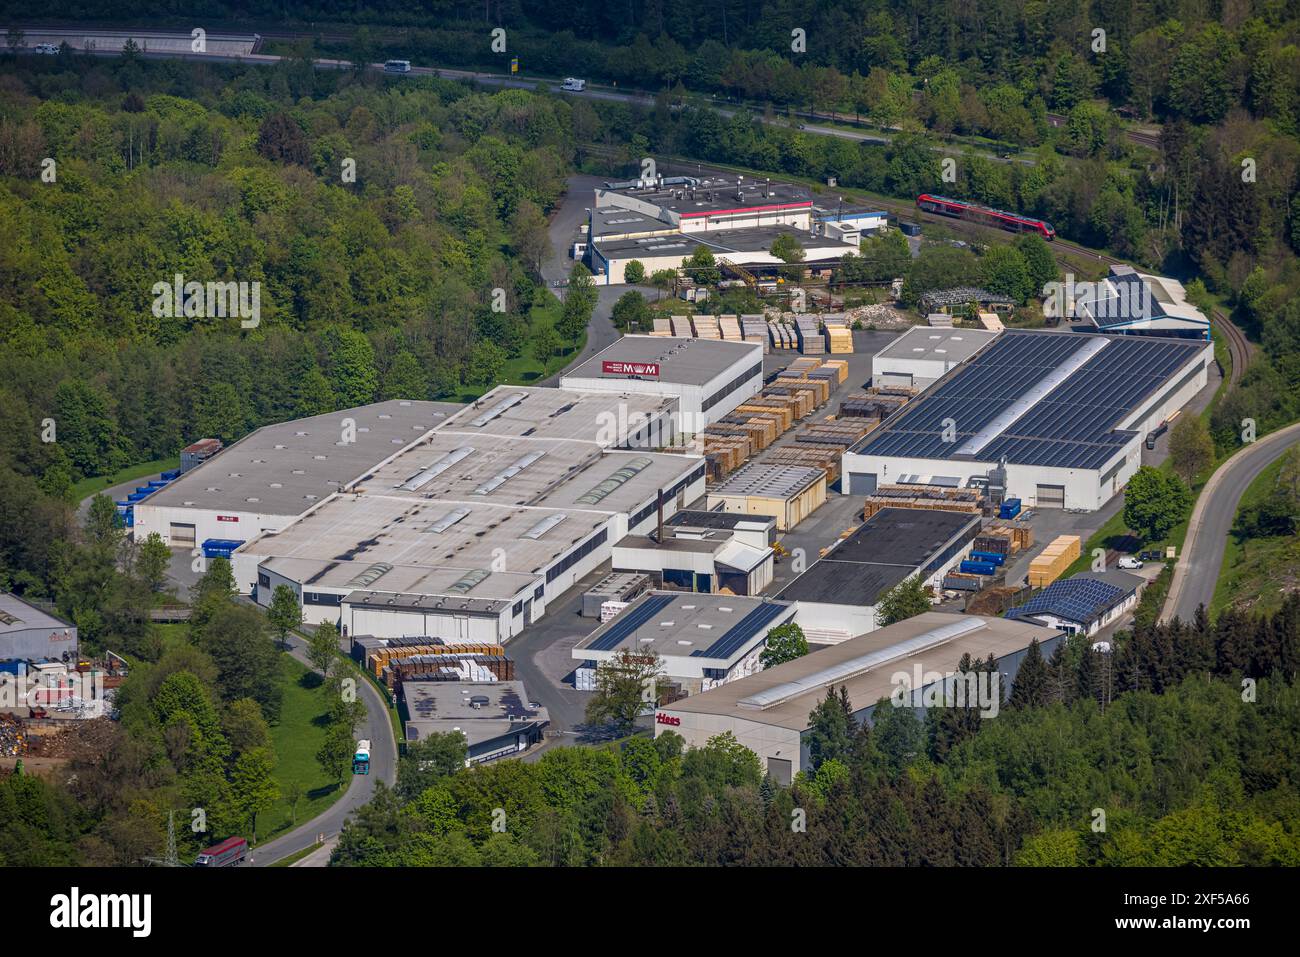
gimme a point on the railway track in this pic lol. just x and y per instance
(1238, 346)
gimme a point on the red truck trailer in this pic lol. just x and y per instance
(228, 853)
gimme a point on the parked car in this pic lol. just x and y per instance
(1152, 555)
(397, 66)
(48, 49)
(1129, 561)
(572, 84)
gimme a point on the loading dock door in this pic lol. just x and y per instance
(181, 534)
(1051, 496)
(862, 483)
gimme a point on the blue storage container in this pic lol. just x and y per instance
(145, 489)
(1010, 508)
(157, 484)
(992, 558)
(978, 568)
(220, 547)
(171, 475)
(136, 496)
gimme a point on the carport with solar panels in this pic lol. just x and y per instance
(1083, 604)
(701, 640)
(1063, 414)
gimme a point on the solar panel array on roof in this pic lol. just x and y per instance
(1072, 426)
(1073, 599)
(740, 632)
(629, 621)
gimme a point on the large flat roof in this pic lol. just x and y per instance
(16, 615)
(769, 481)
(545, 413)
(363, 576)
(674, 624)
(887, 548)
(480, 710)
(758, 239)
(939, 345)
(711, 195)
(403, 531)
(681, 361)
(863, 665)
(1037, 398)
(286, 468)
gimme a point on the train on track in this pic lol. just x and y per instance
(960, 209)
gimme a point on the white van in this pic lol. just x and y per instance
(49, 49)
(572, 84)
(397, 66)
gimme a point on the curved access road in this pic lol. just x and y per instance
(1198, 568)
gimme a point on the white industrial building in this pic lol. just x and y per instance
(707, 377)
(924, 354)
(1127, 302)
(1057, 420)
(271, 476)
(836, 598)
(1084, 604)
(697, 559)
(768, 711)
(701, 641)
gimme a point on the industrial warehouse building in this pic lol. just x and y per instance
(701, 641)
(836, 597)
(1083, 604)
(758, 531)
(660, 223)
(496, 717)
(271, 476)
(768, 712)
(697, 559)
(789, 492)
(1127, 302)
(29, 634)
(1056, 420)
(707, 377)
(924, 354)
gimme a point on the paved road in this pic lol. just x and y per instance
(383, 764)
(1197, 571)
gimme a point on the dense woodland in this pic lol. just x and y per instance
(1177, 737)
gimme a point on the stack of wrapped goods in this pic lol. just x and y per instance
(400, 648)
(873, 404)
(778, 333)
(449, 667)
(839, 367)
(729, 325)
(810, 338)
(839, 337)
(1049, 564)
(663, 326)
(1004, 538)
(682, 327)
(755, 329)
(706, 327)
(923, 496)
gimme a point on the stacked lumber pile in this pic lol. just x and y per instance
(682, 327)
(1049, 564)
(754, 329)
(923, 496)
(809, 337)
(839, 432)
(730, 327)
(809, 455)
(866, 405)
(663, 326)
(380, 658)
(781, 334)
(838, 366)
(706, 327)
(839, 337)
(1004, 538)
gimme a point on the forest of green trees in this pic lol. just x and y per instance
(1179, 740)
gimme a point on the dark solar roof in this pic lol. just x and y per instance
(742, 631)
(630, 621)
(1072, 426)
(1074, 599)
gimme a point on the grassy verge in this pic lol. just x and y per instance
(297, 856)
(296, 739)
(89, 486)
(1256, 571)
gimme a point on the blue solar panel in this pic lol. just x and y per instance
(1073, 426)
(629, 621)
(742, 631)
(1074, 599)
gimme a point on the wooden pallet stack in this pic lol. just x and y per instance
(923, 496)
(729, 325)
(839, 337)
(811, 342)
(1049, 564)
(808, 455)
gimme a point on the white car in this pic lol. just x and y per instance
(49, 49)
(1128, 561)
(573, 85)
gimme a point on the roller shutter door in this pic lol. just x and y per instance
(181, 534)
(861, 483)
(1051, 496)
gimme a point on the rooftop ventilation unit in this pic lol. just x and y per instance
(544, 526)
(368, 577)
(494, 483)
(448, 520)
(597, 494)
(468, 581)
(426, 475)
(779, 694)
(508, 402)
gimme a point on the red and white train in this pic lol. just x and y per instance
(960, 209)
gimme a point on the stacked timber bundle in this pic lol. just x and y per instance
(754, 329)
(726, 453)
(840, 432)
(760, 403)
(1004, 538)
(682, 327)
(400, 648)
(809, 336)
(452, 667)
(1049, 564)
(923, 496)
(730, 327)
(808, 455)
(706, 327)
(810, 393)
(663, 326)
(839, 367)
(781, 334)
(865, 405)
(839, 337)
